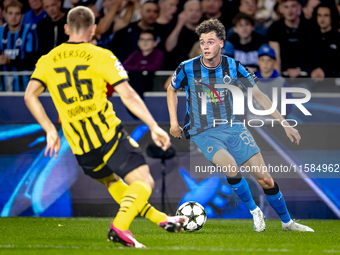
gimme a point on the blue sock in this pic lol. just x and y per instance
(277, 202)
(243, 192)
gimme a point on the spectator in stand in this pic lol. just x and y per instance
(268, 78)
(165, 20)
(51, 29)
(167, 10)
(34, 15)
(324, 44)
(18, 48)
(111, 21)
(26, 7)
(244, 44)
(143, 63)
(125, 40)
(183, 37)
(288, 37)
(308, 9)
(249, 7)
(213, 9)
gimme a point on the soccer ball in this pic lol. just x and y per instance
(195, 213)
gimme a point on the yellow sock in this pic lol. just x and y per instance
(117, 190)
(133, 201)
(152, 214)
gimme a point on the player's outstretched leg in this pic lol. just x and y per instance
(274, 195)
(240, 186)
(277, 202)
(132, 202)
(169, 223)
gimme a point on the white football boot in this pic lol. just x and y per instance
(258, 216)
(293, 226)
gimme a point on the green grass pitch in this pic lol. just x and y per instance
(88, 236)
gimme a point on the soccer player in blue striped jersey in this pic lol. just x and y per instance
(18, 46)
(226, 145)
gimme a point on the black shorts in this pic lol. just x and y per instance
(122, 155)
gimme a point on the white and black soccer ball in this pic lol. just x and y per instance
(195, 213)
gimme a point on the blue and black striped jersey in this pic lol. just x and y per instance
(19, 47)
(199, 80)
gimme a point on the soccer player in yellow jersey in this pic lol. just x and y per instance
(76, 73)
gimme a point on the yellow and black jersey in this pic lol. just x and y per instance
(76, 75)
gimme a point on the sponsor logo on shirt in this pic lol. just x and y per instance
(119, 65)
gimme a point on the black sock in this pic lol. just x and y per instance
(272, 191)
(234, 180)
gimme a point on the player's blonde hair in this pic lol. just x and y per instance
(80, 18)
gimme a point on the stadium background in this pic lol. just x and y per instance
(32, 185)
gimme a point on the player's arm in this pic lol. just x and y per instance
(175, 129)
(33, 91)
(266, 104)
(136, 105)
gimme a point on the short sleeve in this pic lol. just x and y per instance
(245, 77)
(112, 70)
(39, 72)
(179, 78)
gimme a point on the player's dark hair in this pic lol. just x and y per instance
(80, 18)
(334, 14)
(1, 5)
(149, 32)
(14, 4)
(240, 16)
(211, 25)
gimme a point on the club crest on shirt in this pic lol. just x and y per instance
(210, 149)
(226, 79)
(18, 42)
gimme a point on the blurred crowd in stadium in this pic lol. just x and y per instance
(148, 36)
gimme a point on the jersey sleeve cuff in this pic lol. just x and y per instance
(174, 86)
(119, 82)
(43, 83)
